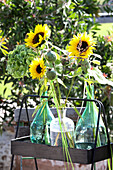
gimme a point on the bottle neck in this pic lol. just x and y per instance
(89, 112)
(90, 93)
(44, 94)
(62, 113)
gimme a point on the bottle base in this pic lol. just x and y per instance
(85, 145)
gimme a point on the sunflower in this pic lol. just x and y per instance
(3, 47)
(81, 46)
(37, 68)
(39, 35)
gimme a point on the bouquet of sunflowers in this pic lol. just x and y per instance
(40, 59)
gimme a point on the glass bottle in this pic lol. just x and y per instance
(40, 126)
(67, 126)
(85, 130)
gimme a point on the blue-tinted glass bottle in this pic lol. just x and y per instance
(85, 130)
(40, 126)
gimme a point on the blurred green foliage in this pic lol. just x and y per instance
(65, 18)
(104, 48)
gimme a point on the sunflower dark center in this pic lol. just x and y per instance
(82, 46)
(38, 69)
(36, 37)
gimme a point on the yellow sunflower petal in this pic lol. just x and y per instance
(37, 68)
(81, 46)
(40, 34)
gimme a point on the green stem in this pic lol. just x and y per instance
(109, 164)
(54, 94)
(59, 94)
(72, 82)
(63, 51)
(64, 141)
(94, 166)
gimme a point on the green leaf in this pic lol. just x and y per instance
(96, 62)
(98, 75)
(61, 82)
(97, 55)
(58, 56)
(78, 72)
(39, 8)
(90, 81)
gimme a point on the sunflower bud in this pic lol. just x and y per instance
(51, 74)
(51, 56)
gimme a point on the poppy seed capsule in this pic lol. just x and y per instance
(51, 74)
(51, 56)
